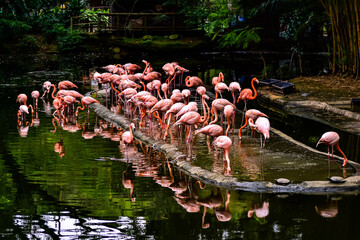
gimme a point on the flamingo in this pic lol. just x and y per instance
(332, 139)
(229, 114)
(128, 137)
(224, 142)
(215, 80)
(85, 101)
(175, 108)
(218, 105)
(212, 130)
(165, 89)
(253, 114)
(191, 106)
(193, 81)
(220, 88)
(186, 95)
(162, 106)
(191, 118)
(131, 68)
(66, 85)
(46, 88)
(262, 125)
(23, 109)
(247, 94)
(22, 99)
(234, 87)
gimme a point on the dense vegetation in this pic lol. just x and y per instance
(323, 25)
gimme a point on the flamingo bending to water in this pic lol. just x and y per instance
(332, 139)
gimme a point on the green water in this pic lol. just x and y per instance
(69, 183)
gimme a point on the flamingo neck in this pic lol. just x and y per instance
(146, 67)
(245, 124)
(203, 118)
(254, 89)
(342, 153)
(187, 81)
(52, 95)
(112, 86)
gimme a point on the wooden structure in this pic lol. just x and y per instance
(131, 24)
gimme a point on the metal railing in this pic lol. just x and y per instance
(130, 23)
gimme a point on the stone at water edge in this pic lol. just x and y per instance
(282, 181)
(336, 179)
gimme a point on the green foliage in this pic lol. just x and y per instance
(220, 21)
(91, 15)
(240, 37)
(10, 29)
(68, 39)
(28, 44)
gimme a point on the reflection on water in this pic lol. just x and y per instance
(71, 178)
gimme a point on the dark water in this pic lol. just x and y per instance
(76, 181)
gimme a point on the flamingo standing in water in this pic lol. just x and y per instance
(247, 94)
(46, 88)
(191, 118)
(85, 101)
(332, 139)
(128, 137)
(251, 114)
(22, 99)
(233, 88)
(229, 114)
(175, 108)
(161, 106)
(218, 105)
(262, 125)
(35, 95)
(224, 142)
(23, 109)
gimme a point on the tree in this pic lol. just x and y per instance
(345, 31)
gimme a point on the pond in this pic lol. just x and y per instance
(75, 180)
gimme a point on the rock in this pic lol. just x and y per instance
(282, 181)
(336, 179)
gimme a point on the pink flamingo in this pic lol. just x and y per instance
(22, 99)
(186, 95)
(215, 80)
(233, 88)
(247, 94)
(23, 109)
(86, 101)
(212, 130)
(128, 137)
(161, 106)
(253, 114)
(191, 118)
(220, 88)
(262, 125)
(66, 85)
(224, 142)
(229, 114)
(175, 108)
(218, 105)
(193, 81)
(332, 139)
(46, 88)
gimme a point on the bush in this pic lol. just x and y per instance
(68, 39)
(11, 29)
(28, 44)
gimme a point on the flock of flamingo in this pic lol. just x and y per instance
(146, 93)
